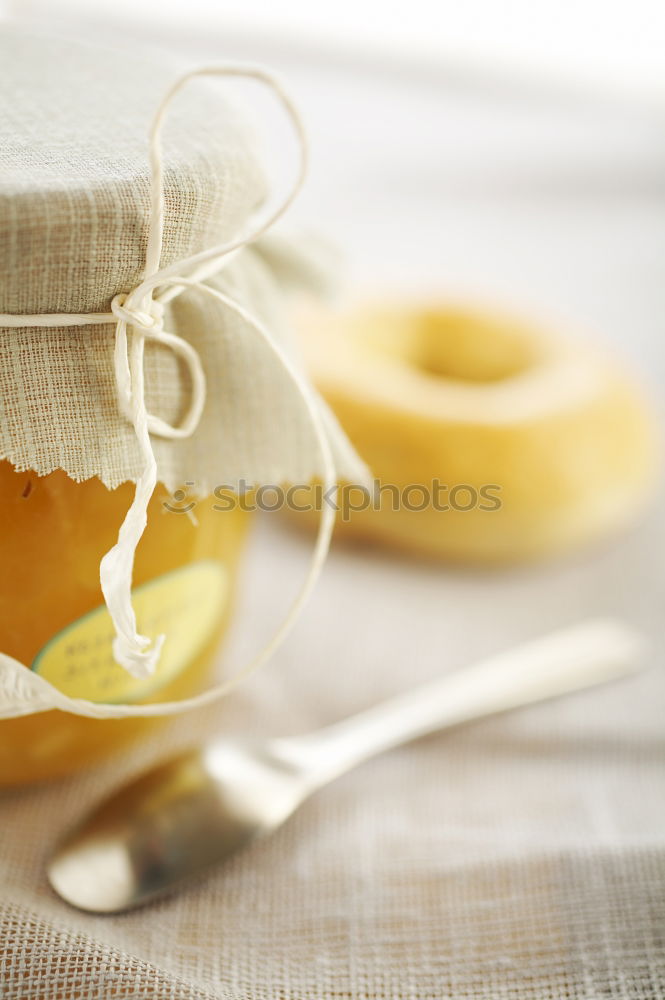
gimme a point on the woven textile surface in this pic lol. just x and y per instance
(521, 857)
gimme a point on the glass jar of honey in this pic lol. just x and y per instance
(143, 341)
(53, 533)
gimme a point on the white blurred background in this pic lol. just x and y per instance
(606, 43)
(507, 152)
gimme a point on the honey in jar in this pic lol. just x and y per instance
(53, 534)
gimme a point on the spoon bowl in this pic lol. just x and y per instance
(175, 821)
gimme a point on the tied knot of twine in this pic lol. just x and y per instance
(150, 319)
(141, 311)
(147, 323)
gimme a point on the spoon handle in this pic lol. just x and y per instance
(568, 660)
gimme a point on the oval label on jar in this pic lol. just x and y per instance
(186, 605)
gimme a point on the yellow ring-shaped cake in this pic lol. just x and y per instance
(538, 443)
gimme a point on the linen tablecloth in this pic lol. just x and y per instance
(523, 856)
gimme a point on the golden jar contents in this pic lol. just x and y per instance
(54, 532)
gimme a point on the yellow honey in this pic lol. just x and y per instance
(53, 533)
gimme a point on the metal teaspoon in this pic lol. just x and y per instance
(191, 812)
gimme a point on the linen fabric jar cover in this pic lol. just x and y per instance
(75, 218)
